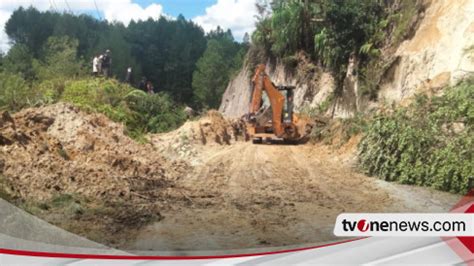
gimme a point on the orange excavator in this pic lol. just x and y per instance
(271, 115)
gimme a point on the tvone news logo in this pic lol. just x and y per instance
(350, 226)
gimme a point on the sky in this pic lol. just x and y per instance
(237, 15)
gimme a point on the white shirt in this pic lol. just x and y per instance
(95, 64)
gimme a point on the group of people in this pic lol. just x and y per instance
(101, 64)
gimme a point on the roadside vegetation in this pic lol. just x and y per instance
(331, 31)
(428, 143)
(140, 112)
(51, 61)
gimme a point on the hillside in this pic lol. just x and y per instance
(436, 55)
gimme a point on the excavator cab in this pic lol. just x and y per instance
(287, 92)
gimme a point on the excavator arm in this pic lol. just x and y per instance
(292, 128)
(262, 82)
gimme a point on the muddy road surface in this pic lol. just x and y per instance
(247, 196)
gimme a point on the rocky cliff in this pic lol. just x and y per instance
(439, 53)
(313, 86)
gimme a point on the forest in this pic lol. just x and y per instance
(176, 55)
(51, 56)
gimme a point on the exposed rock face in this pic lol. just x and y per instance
(347, 103)
(438, 55)
(313, 86)
(236, 98)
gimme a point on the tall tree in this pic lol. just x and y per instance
(18, 61)
(59, 59)
(221, 59)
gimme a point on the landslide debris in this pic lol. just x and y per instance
(59, 149)
(59, 152)
(210, 130)
(80, 172)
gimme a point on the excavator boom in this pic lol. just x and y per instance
(262, 82)
(259, 123)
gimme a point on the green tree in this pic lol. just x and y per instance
(219, 62)
(167, 51)
(59, 59)
(31, 28)
(19, 61)
(209, 79)
(348, 26)
(14, 92)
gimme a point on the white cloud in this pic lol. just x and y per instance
(112, 10)
(237, 15)
(4, 15)
(127, 11)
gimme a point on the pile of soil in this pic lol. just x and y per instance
(59, 149)
(81, 172)
(211, 129)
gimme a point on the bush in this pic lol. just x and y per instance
(428, 143)
(59, 60)
(140, 112)
(99, 95)
(155, 113)
(15, 93)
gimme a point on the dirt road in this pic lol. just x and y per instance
(247, 196)
(200, 187)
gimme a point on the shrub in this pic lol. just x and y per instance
(140, 112)
(50, 91)
(155, 113)
(15, 93)
(428, 143)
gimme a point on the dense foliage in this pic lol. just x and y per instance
(140, 112)
(429, 143)
(222, 58)
(50, 61)
(14, 92)
(331, 31)
(165, 51)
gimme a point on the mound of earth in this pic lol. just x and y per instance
(81, 172)
(59, 149)
(210, 130)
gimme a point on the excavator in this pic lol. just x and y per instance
(271, 115)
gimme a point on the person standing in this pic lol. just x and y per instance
(142, 84)
(149, 88)
(95, 66)
(99, 64)
(107, 64)
(128, 76)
